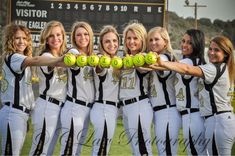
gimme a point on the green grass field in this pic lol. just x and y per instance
(119, 146)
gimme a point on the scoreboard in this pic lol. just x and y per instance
(34, 14)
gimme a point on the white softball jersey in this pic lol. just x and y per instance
(18, 99)
(107, 85)
(167, 120)
(187, 102)
(104, 112)
(137, 110)
(133, 84)
(162, 89)
(76, 110)
(45, 117)
(52, 82)
(186, 88)
(215, 105)
(219, 100)
(16, 86)
(81, 83)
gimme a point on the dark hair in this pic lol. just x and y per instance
(198, 44)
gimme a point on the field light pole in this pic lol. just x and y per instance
(195, 10)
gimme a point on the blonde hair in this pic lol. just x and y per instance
(106, 29)
(88, 28)
(45, 34)
(8, 39)
(165, 36)
(140, 33)
(226, 45)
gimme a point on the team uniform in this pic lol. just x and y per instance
(167, 120)
(18, 99)
(76, 110)
(104, 112)
(187, 101)
(215, 106)
(137, 110)
(45, 116)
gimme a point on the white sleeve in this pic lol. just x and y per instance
(45, 68)
(209, 72)
(189, 62)
(165, 72)
(16, 62)
(74, 51)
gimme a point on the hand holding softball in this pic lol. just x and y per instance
(151, 58)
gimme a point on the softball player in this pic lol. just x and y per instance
(137, 110)
(16, 88)
(80, 93)
(187, 99)
(215, 102)
(167, 120)
(104, 112)
(52, 90)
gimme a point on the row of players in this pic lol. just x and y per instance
(188, 93)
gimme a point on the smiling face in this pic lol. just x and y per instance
(186, 45)
(110, 43)
(82, 39)
(55, 39)
(133, 43)
(156, 43)
(215, 53)
(20, 41)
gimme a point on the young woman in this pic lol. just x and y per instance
(52, 90)
(16, 89)
(187, 98)
(80, 93)
(215, 101)
(104, 112)
(167, 120)
(137, 110)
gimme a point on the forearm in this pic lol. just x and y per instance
(182, 68)
(42, 61)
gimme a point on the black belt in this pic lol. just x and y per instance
(22, 108)
(191, 110)
(221, 112)
(157, 108)
(133, 100)
(109, 103)
(50, 99)
(83, 103)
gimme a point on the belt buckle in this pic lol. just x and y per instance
(133, 100)
(50, 99)
(23, 109)
(73, 100)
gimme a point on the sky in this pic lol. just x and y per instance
(215, 9)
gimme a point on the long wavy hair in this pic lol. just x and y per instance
(198, 44)
(8, 39)
(226, 45)
(45, 34)
(88, 28)
(106, 29)
(165, 36)
(140, 33)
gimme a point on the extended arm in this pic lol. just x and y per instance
(181, 68)
(41, 61)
